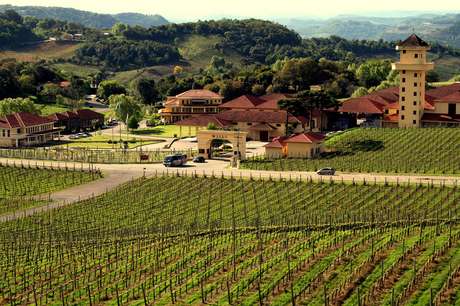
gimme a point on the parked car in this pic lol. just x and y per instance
(177, 160)
(199, 160)
(326, 171)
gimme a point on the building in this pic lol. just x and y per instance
(80, 120)
(410, 104)
(303, 145)
(26, 129)
(412, 68)
(191, 103)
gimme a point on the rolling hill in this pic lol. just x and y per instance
(89, 19)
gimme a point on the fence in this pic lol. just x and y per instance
(106, 156)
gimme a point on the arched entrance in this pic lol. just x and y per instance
(235, 140)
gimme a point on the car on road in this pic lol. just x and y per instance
(199, 160)
(176, 160)
(326, 171)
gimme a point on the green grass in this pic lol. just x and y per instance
(19, 184)
(421, 151)
(105, 142)
(69, 69)
(167, 131)
(194, 240)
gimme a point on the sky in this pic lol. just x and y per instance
(204, 9)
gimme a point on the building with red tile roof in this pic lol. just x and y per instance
(191, 103)
(79, 120)
(26, 129)
(301, 145)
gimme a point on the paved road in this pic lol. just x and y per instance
(117, 174)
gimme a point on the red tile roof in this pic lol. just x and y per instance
(452, 98)
(308, 137)
(441, 92)
(21, 120)
(87, 114)
(277, 143)
(440, 118)
(413, 41)
(204, 120)
(365, 105)
(199, 94)
(267, 102)
(257, 116)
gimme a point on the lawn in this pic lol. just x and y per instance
(70, 69)
(105, 142)
(49, 109)
(168, 131)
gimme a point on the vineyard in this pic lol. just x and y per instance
(197, 240)
(428, 151)
(100, 156)
(20, 183)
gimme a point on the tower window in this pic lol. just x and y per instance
(404, 51)
(404, 80)
(415, 93)
(415, 75)
(403, 107)
(404, 72)
(415, 84)
(403, 99)
(416, 55)
(403, 89)
(414, 112)
(402, 117)
(414, 121)
(415, 103)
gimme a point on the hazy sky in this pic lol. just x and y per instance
(194, 9)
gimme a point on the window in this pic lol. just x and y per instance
(404, 80)
(415, 75)
(404, 51)
(3, 133)
(415, 93)
(414, 112)
(278, 125)
(416, 55)
(402, 117)
(403, 107)
(404, 72)
(403, 89)
(249, 123)
(415, 84)
(19, 131)
(414, 121)
(415, 103)
(452, 109)
(8, 133)
(403, 99)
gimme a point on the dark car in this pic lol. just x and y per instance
(176, 160)
(199, 160)
(326, 171)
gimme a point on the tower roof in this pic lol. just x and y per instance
(413, 41)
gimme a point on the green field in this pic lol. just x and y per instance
(42, 51)
(69, 69)
(428, 151)
(194, 241)
(166, 131)
(20, 183)
(107, 142)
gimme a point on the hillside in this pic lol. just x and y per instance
(443, 29)
(42, 51)
(89, 19)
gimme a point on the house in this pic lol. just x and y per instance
(26, 129)
(410, 104)
(191, 103)
(259, 125)
(302, 145)
(79, 120)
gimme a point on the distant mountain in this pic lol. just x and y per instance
(89, 19)
(444, 29)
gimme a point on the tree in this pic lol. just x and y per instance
(432, 76)
(9, 86)
(308, 101)
(144, 90)
(125, 107)
(49, 92)
(372, 73)
(15, 105)
(258, 90)
(359, 92)
(109, 88)
(299, 74)
(133, 123)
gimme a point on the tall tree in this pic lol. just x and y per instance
(125, 107)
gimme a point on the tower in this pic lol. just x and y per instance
(412, 68)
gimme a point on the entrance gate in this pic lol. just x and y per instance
(237, 138)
